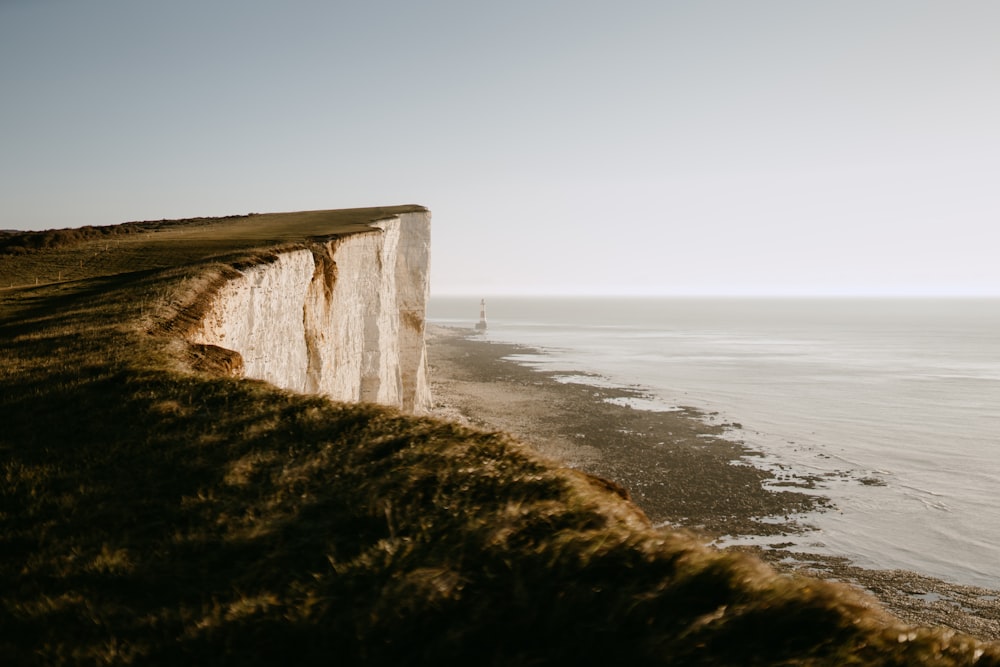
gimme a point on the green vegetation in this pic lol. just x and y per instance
(155, 514)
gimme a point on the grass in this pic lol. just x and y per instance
(154, 514)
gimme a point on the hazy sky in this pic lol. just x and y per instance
(660, 146)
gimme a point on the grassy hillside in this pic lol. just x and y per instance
(152, 513)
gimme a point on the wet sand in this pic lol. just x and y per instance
(676, 466)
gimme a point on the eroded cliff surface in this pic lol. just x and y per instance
(344, 318)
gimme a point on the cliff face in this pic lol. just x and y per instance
(344, 319)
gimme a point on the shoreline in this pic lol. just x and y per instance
(677, 466)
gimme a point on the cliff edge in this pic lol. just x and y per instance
(150, 514)
(344, 318)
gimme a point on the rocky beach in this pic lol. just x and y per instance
(684, 468)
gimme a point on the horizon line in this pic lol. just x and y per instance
(718, 295)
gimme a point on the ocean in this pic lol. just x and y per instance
(892, 404)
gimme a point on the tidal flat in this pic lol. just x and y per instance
(677, 465)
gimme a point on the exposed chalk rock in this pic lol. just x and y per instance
(344, 319)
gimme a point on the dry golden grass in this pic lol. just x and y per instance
(152, 514)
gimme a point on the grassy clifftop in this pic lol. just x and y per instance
(151, 513)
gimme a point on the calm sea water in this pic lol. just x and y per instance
(895, 404)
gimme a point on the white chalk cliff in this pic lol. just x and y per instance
(344, 318)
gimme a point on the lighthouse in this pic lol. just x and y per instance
(481, 325)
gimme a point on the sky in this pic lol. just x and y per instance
(675, 147)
